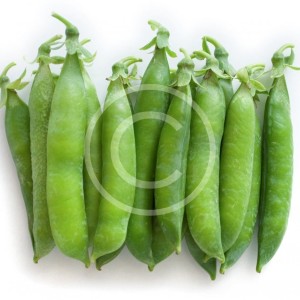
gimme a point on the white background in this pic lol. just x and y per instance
(251, 31)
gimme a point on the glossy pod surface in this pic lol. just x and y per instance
(210, 266)
(17, 129)
(113, 218)
(203, 211)
(226, 85)
(236, 165)
(91, 194)
(39, 108)
(147, 133)
(65, 149)
(246, 234)
(277, 172)
(171, 157)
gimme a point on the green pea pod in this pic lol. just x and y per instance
(277, 163)
(151, 104)
(40, 100)
(227, 88)
(17, 129)
(221, 55)
(172, 156)
(118, 184)
(246, 234)
(210, 266)
(161, 247)
(65, 149)
(237, 157)
(107, 258)
(92, 154)
(207, 128)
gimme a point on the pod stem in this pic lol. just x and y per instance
(212, 41)
(52, 40)
(161, 40)
(120, 69)
(220, 54)
(128, 61)
(5, 83)
(283, 48)
(185, 71)
(185, 53)
(72, 43)
(45, 50)
(249, 75)
(6, 69)
(68, 24)
(200, 54)
(212, 64)
(281, 62)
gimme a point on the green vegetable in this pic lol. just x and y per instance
(107, 258)
(246, 234)
(277, 162)
(221, 55)
(202, 208)
(17, 129)
(210, 266)
(65, 149)
(172, 156)
(237, 156)
(91, 194)
(153, 101)
(39, 109)
(114, 216)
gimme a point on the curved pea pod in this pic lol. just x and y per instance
(246, 234)
(151, 104)
(277, 163)
(93, 154)
(172, 156)
(118, 145)
(207, 127)
(210, 266)
(107, 258)
(236, 165)
(237, 155)
(40, 100)
(65, 154)
(17, 130)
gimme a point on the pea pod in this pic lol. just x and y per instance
(202, 208)
(147, 133)
(93, 153)
(210, 266)
(221, 55)
(107, 258)
(277, 162)
(17, 129)
(172, 155)
(246, 234)
(237, 154)
(65, 150)
(40, 100)
(114, 216)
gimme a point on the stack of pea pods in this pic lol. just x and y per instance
(179, 156)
